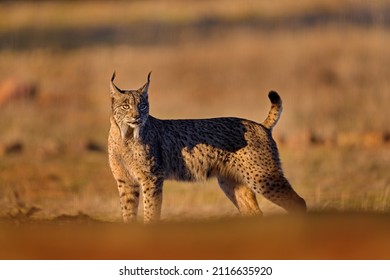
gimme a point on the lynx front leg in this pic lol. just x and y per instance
(152, 199)
(129, 198)
(128, 190)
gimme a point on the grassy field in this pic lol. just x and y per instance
(329, 61)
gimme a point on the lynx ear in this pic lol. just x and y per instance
(144, 89)
(113, 88)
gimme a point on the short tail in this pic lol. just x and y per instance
(275, 111)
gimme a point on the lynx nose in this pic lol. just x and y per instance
(134, 121)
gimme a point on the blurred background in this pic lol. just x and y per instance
(328, 59)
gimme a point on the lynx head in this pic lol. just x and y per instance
(130, 108)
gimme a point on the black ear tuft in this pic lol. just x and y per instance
(144, 89)
(150, 73)
(113, 76)
(114, 88)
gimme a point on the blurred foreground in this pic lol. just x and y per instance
(315, 236)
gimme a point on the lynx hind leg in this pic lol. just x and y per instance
(129, 199)
(279, 191)
(242, 196)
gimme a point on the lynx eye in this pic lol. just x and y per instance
(125, 107)
(142, 106)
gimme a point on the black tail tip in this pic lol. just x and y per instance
(273, 96)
